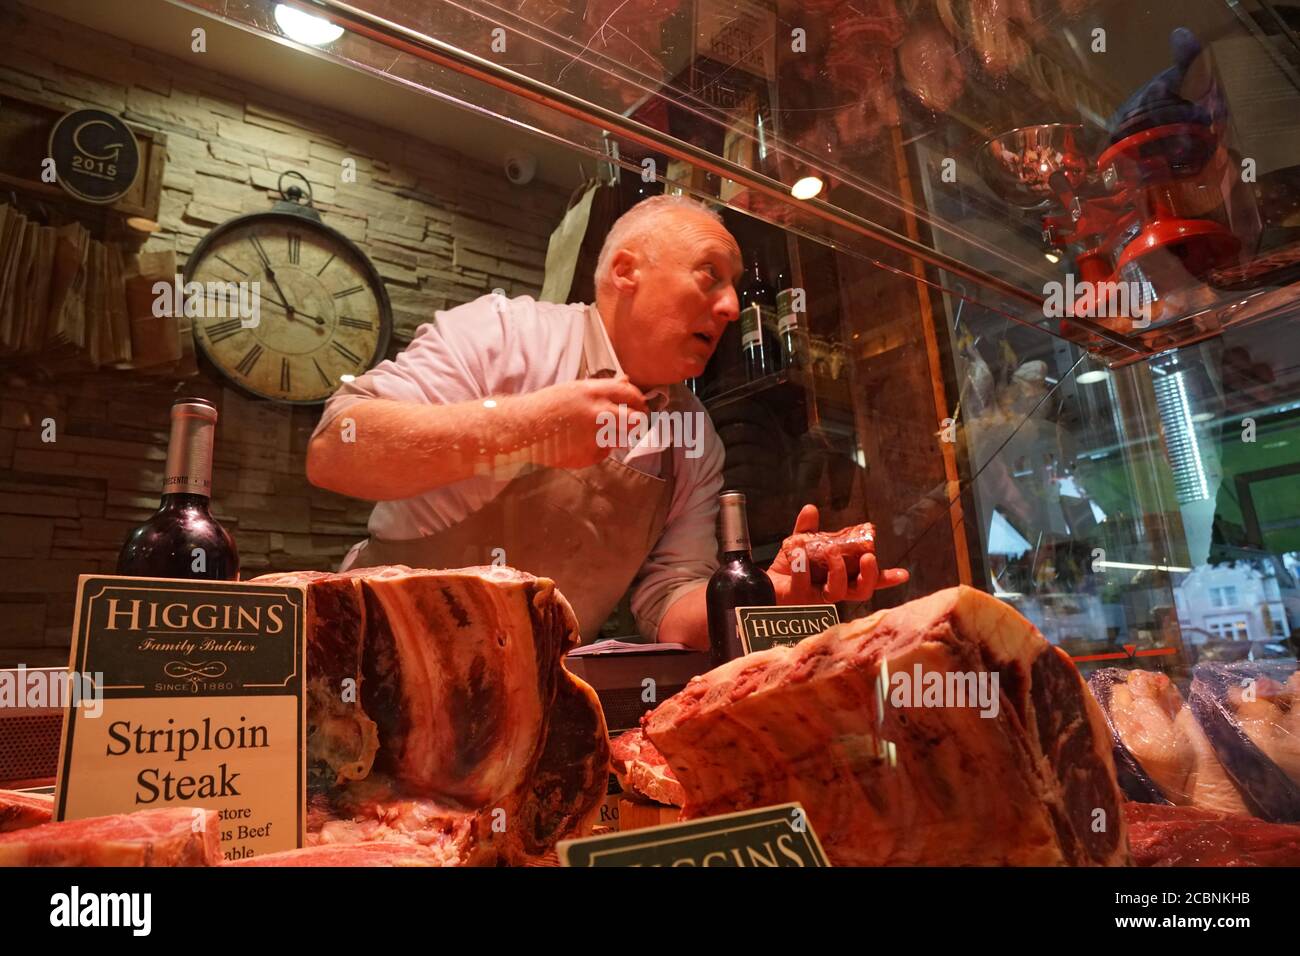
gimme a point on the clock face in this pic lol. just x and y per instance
(324, 314)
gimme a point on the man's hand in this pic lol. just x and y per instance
(569, 419)
(797, 587)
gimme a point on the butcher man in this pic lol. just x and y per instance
(494, 438)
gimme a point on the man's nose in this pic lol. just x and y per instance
(727, 307)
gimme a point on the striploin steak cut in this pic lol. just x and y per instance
(169, 836)
(905, 779)
(464, 733)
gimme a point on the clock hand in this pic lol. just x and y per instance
(284, 299)
(296, 313)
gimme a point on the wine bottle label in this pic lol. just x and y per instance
(751, 326)
(787, 319)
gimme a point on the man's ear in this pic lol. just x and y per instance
(625, 271)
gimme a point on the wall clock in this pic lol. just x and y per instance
(324, 313)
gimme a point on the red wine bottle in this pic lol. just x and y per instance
(738, 582)
(182, 539)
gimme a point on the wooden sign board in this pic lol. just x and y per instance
(200, 703)
(769, 836)
(762, 627)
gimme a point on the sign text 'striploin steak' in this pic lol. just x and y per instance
(939, 784)
(440, 713)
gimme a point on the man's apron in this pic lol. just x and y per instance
(589, 530)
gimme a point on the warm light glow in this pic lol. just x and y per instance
(305, 28)
(806, 188)
(347, 378)
(490, 403)
(1096, 375)
(1140, 567)
(1052, 257)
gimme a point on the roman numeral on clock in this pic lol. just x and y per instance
(249, 360)
(295, 247)
(346, 353)
(223, 330)
(284, 374)
(321, 372)
(356, 323)
(353, 291)
(326, 266)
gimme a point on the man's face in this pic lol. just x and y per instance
(677, 299)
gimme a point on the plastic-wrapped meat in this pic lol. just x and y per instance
(1249, 712)
(1161, 753)
(931, 70)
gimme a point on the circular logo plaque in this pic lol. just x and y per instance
(96, 156)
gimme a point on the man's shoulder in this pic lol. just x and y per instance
(521, 313)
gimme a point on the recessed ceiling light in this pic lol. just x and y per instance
(1052, 257)
(806, 188)
(1096, 375)
(345, 378)
(304, 27)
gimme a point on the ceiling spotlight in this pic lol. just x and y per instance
(345, 378)
(1052, 257)
(1096, 375)
(806, 187)
(304, 27)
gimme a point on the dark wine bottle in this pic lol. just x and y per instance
(738, 582)
(182, 539)
(757, 303)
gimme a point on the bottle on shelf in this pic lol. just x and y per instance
(182, 539)
(792, 327)
(757, 305)
(738, 582)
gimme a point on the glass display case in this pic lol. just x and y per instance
(1047, 251)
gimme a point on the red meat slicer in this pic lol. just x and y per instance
(1148, 211)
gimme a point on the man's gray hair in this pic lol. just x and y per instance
(638, 224)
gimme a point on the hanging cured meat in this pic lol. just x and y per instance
(932, 71)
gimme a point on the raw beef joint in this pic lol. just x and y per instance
(642, 770)
(171, 836)
(889, 775)
(1188, 836)
(463, 732)
(21, 810)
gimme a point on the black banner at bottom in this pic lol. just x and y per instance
(185, 906)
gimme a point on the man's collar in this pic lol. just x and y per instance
(601, 360)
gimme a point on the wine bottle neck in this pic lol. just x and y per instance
(184, 501)
(733, 526)
(189, 454)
